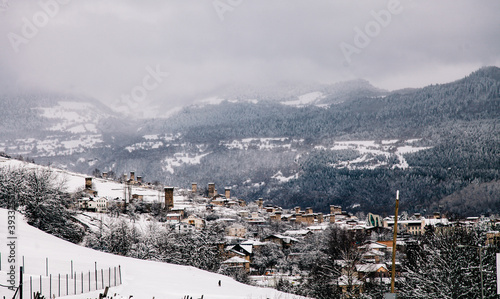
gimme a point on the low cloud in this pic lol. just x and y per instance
(103, 49)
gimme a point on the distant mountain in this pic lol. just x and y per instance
(292, 91)
(48, 126)
(348, 144)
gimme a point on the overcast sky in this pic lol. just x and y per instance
(107, 49)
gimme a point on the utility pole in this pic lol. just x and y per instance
(393, 272)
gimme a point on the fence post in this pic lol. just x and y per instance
(109, 277)
(21, 282)
(40, 284)
(50, 286)
(74, 279)
(46, 266)
(115, 276)
(31, 288)
(89, 281)
(96, 276)
(59, 285)
(102, 278)
(71, 268)
(120, 273)
(67, 287)
(82, 282)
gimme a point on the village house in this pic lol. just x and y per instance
(236, 263)
(229, 252)
(350, 284)
(222, 201)
(83, 203)
(197, 222)
(184, 228)
(371, 271)
(372, 245)
(317, 228)
(281, 240)
(416, 227)
(492, 238)
(244, 213)
(255, 244)
(242, 250)
(300, 233)
(270, 209)
(89, 204)
(101, 205)
(236, 230)
(219, 201)
(173, 218)
(373, 256)
(255, 219)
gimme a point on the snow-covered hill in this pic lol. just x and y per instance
(73, 181)
(141, 279)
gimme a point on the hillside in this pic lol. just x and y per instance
(141, 279)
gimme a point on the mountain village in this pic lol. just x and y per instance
(189, 210)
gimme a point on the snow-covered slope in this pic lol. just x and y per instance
(75, 181)
(141, 279)
(306, 99)
(371, 151)
(74, 117)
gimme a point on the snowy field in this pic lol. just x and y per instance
(180, 159)
(262, 143)
(370, 149)
(140, 279)
(53, 145)
(306, 99)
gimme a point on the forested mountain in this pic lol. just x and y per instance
(349, 144)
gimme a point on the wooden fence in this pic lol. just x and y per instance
(65, 284)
